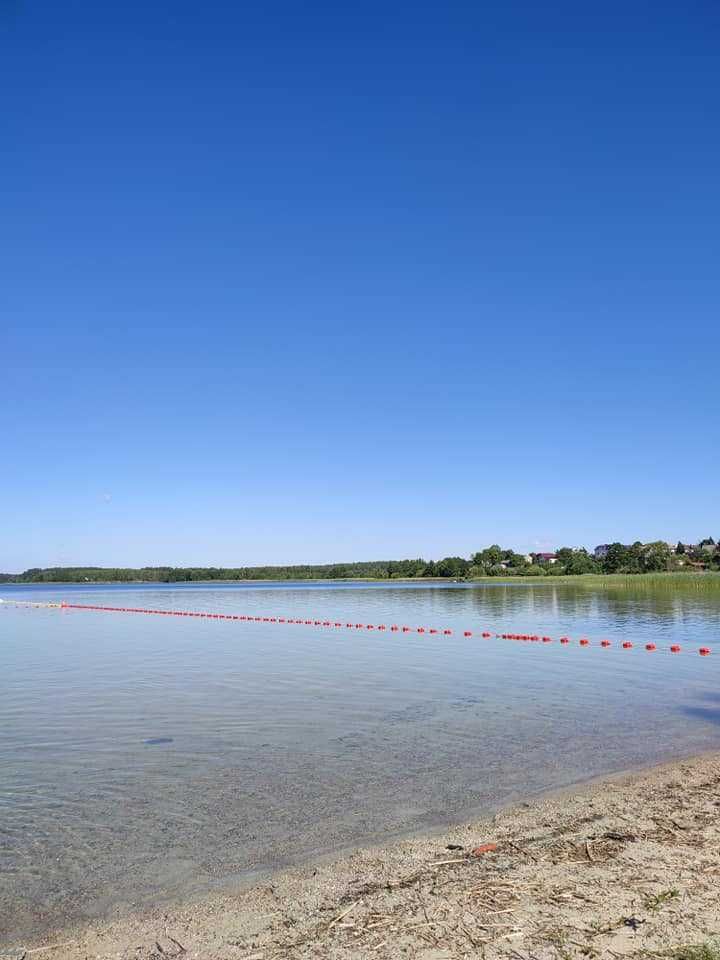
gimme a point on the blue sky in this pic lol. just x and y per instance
(298, 282)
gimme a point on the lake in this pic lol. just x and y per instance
(145, 757)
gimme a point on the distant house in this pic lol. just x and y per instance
(544, 557)
(602, 550)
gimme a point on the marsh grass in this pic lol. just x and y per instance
(707, 582)
(695, 582)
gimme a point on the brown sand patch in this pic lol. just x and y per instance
(625, 868)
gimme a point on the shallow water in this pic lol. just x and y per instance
(145, 757)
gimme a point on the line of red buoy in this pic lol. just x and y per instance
(394, 628)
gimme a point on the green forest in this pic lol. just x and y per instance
(493, 561)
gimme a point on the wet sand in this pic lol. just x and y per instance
(625, 867)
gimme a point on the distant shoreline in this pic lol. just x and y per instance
(494, 562)
(705, 577)
(173, 583)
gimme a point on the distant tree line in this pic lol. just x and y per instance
(493, 561)
(637, 557)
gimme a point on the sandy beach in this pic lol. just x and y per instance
(624, 867)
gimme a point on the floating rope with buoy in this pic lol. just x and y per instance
(337, 624)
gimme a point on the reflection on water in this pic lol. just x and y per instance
(146, 756)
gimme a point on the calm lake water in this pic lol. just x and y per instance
(280, 742)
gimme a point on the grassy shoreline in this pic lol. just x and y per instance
(707, 579)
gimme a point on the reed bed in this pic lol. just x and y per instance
(696, 582)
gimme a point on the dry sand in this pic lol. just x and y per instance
(628, 867)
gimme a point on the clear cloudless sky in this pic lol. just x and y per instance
(287, 282)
